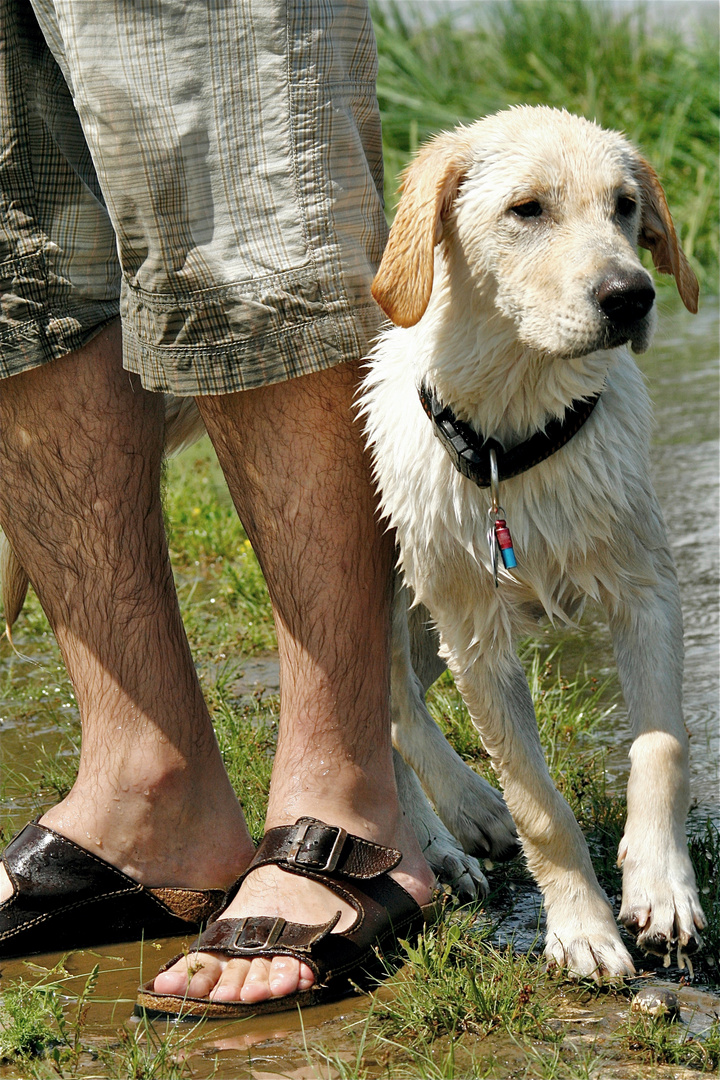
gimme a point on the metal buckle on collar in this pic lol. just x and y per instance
(333, 858)
(273, 934)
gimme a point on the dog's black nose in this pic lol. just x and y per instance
(626, 298)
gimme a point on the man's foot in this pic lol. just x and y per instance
(271, 891)
(194, 837)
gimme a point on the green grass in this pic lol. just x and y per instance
(456, 981)
(247, 733)
(43, 1032)
(628, 72)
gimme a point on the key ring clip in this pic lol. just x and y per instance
(494, 482)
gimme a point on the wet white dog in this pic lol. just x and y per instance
(527, 224)
(512, 278)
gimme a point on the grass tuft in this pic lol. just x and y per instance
(704, 843)
(27, 1027)
(456, 981)
(658, 1041)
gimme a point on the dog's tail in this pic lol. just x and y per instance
(183, 424)
(183, 427)
(14, 585)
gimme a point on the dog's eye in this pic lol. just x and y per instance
(626, 206)
(529, 209)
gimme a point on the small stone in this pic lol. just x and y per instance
(656, 1002)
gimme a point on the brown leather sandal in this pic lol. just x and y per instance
(354, 869)
(67, 898)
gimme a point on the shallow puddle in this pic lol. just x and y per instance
(258, 677)
(259, 1046)
(313, 1045)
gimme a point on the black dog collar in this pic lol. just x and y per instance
(469, 450)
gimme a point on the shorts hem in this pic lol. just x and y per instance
(228, 367)
(43, 338)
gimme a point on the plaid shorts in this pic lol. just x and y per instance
(211, 171)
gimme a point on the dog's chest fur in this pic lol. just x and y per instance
(572, 517)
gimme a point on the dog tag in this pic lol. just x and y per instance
(504, 541)
(500, 543)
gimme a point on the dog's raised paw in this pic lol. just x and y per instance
(456, 869)
(661, 909)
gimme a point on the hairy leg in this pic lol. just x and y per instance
(293, 458)
(80, 454)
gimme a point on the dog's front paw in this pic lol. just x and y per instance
(583, 939)
(455, 868)
(597, 957)
(479, 819)
(660, 905)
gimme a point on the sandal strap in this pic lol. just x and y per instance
(263, 935)
(383, 908)
(310, 847)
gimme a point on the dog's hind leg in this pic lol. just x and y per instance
(470, 808)
(450, 864)
(582, 935)
(660, 900)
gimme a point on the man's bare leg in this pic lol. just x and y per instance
(293, 460)
(80, 452)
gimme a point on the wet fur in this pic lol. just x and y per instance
(500, 315)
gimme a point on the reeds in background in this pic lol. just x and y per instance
(623, 67)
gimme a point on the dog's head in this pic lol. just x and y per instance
(541, 213)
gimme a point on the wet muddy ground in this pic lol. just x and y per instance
(325, 1041)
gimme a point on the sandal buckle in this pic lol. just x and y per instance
(273, 934)
(333, 858)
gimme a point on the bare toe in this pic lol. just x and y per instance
(232, 983)
(288, 975)
(193, 975)
(256, 986)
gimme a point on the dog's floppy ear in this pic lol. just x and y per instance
(657, 233)
(404, 281)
